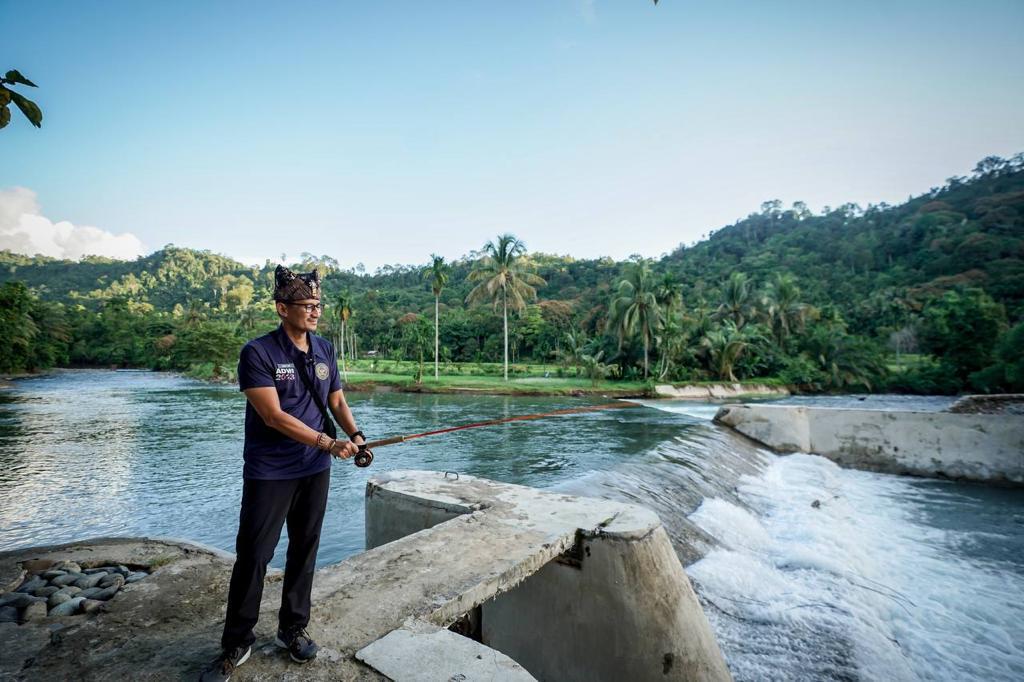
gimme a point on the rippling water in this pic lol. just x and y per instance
(885, 578)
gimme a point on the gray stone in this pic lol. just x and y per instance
(62, 595)
(33, 583)
(87, 581)
(106, 593)
(92, 606)
(45, 591)
(35, 611)
(88, 594)
(136, 576)
(52, 573)
(18, 600)
(68, 608)
(124, 570)
(69, 566)
(66, 579)
(113, 579)
(8, 614)
(58, 597)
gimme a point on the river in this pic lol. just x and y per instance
(805, 570)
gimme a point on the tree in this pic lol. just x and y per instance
(634, 310)
(503, 277)
(724, 346)
(737, 301)
(783, 310)
(438, 273)
(961, 329)
(17, 328)
(29, 108)
(344, 312)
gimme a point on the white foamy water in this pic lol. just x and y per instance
(886, 578)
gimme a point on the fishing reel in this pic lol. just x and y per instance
(364, 457)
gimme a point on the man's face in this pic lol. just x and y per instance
(295, 313)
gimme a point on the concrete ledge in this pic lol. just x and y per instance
(421, 651)
(974, 447)
(723, 391)
(569, 588)
(602, 595)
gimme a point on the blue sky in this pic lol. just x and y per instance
(383, 132)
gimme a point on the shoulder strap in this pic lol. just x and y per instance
(329, 427)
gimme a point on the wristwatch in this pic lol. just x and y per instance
(357, 433)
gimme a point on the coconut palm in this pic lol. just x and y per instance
(634, 310)
(724, 346)
(783, 310)
(503, 277)
(437, 273)
(737, 301)
(344, 312)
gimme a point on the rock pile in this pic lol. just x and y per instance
(65, 589)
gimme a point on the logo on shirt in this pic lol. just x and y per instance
(285, 372)
(321, 371)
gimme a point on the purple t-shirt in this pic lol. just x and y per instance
(273, 360)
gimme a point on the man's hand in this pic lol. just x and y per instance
(344, 449)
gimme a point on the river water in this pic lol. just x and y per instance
(805, 570)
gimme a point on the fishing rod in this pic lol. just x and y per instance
(364, 457)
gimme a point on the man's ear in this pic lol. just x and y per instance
(281, 308)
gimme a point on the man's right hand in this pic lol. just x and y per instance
(344, 449)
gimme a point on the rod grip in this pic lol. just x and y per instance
(386, 441)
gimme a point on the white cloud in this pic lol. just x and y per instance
(23, 229)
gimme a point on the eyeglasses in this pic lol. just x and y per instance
(308, 307)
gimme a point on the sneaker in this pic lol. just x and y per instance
(298, 643)
(221, 668)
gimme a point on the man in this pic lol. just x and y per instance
(287, 469)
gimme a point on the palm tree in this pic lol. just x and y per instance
(724, 346)
(783, 309)
(344, 312)
(635, 310)
(437, 273)
(502, 275)
(736, 300)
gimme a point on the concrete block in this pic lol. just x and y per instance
(425, 652)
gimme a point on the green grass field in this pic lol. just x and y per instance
(496, 384)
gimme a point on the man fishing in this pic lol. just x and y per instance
(290, 380)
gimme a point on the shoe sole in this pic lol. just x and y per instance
(281, 644)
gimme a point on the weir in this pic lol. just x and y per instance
(976, 447)
(551, 586)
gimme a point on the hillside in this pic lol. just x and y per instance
(846, 278)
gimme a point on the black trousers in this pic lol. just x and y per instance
(266, 505)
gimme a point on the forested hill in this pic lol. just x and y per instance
(968, 233)
(816, 300)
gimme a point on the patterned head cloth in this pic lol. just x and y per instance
(290, 286)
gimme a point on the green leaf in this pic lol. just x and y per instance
(5, 116)
(15, 76)
(5, 96)
(29, 108)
